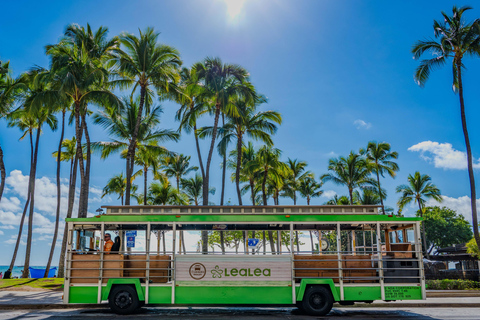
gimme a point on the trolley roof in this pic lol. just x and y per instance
(246, 214)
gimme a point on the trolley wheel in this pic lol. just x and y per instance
(317, 301)
(123, 300)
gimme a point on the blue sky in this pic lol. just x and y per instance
(340, 72)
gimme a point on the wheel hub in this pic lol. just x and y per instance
(123, 299)
(317, 300)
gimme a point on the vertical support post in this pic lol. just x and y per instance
(292, 263)
(340, 262)
(354, 243)
(319, 241)
(147, 265)
(245, 247)
(174, 271)
(364, 241)
(419, 253)
(66, 289)
(387, 240)
(158, 241)
(380, 261)
(102, 255)
(371, 241)
(404, 236)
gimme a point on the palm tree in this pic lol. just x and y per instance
(297, 174)
(68, 155)
(192, 187)
(418, 188)
(381, 157)
(148, 156)
(243, 119)
(191, 107)
(165, 194)
(117, 185)
(34, 112)
(267, 161)
(221, 83)
(352, 172)
(456, 39)
(121, 126)
(248, 173)
(77, 63)
(339, 201)
(369, 196)
(9, 88)
(276, 182)
(309, 188)
(145, 64)
(177, 166)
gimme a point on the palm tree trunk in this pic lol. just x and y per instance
(224, 168)
(222, 242)
(270, 239)
(296, 239)
(210, 153)
(424, 234)
(145, 170)
(86, 178)
(3, 173)
(25, 208)
(79, 155)
(264, 191)
(132, 146)
(57, 217)
(350, 193)
(308, 200)
(32, 206)
(237, 170)
(71, 197)
(473, 195)
(380, 191)
(252, 186)
(199, 154)
(207, 174)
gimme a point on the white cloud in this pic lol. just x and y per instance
(1, 233)
(443, 155)
(461, 205)
(11, 207)
(360, 124)
(329, 194)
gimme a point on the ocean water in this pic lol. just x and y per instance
(17, 271)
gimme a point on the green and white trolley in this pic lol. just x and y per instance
(308, 256)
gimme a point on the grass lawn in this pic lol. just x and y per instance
(26, 284)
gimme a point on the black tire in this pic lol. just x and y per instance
(317, 301)
(123, 300)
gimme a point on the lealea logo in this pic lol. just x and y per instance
(197, 271)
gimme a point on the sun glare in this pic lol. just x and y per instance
(234, 7)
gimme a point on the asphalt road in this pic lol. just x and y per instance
(248, 313)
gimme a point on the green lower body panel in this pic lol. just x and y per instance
(233, 295)
(83, 295)
(361, 293)
(160, 294)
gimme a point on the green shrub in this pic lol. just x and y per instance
(450, 284)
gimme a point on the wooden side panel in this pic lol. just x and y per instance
(86, 267)
(135, 267)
